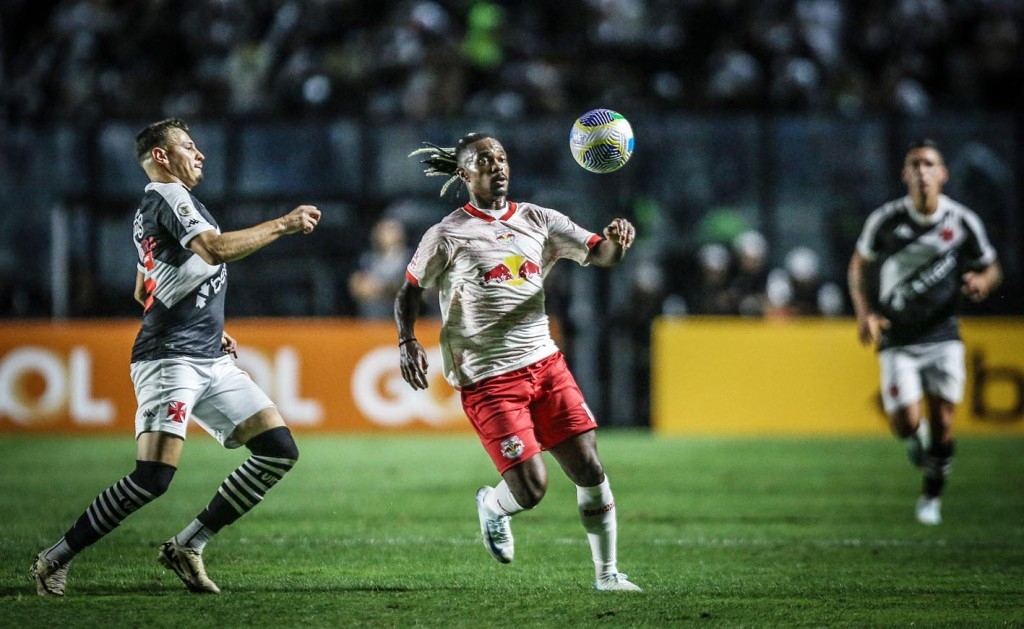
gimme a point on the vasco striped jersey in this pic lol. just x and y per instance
(184, 311)
(490, 274)
(920, 260)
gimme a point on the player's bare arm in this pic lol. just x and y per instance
(618, 237)
(413, 357)
(140, 292)
(220, 248)
(869, 323)
(977, 285)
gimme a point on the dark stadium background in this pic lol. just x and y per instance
(786, 116)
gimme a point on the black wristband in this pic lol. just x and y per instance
(404, 341)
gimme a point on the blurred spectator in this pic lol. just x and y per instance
(747, 287)
(381, 270)
(798, 290)
(711, 295)
(65, 59)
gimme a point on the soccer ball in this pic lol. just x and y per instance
(601, 141)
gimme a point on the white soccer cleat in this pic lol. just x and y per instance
(187, 563)
(615, 582)
(929, 510)
(50, 576)
(496, 531)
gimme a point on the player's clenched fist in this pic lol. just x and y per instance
(303, 218)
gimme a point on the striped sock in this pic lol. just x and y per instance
(147, 483)
(242, 490)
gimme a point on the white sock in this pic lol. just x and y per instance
(501, 501)
(597, 513)
(195, 535)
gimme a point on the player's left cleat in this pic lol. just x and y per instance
(615, 582)
(929, 510)
(187, 563)
(50, 576)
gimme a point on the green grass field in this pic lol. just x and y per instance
(382, 532)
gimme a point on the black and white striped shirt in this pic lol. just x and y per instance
(184, 311)
(920, 260)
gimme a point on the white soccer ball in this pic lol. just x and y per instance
(601, 141)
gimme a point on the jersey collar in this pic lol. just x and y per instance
(477, 212)
(926, 219)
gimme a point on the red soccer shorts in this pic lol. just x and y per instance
(520, 413)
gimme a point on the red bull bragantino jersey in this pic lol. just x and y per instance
(490, 273)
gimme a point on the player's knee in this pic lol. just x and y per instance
(590, 476)
(276, 442)
(153, 477)
(529, 494)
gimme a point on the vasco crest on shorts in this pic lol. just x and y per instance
(512, 447)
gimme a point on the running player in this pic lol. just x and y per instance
(182, 367)
(926, 251)
(489, 259)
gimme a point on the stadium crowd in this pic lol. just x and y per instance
(83, 59)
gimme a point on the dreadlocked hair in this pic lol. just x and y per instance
(440, 162)
(444, 162)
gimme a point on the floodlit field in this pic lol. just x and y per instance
(382, 531)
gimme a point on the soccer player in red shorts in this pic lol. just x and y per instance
(489, 259)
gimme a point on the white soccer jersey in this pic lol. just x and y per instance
(490, 275)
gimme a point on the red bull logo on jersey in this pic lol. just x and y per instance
(513, 270)
(505, 237)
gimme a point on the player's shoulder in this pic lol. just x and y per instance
(955, 207)
(527, 207)
(893, 207)
(175, 195)
(449, 224)
(538, 214)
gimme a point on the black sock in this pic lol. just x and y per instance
(938, 463)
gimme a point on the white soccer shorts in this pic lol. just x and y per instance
(911, 371)
(213, 392)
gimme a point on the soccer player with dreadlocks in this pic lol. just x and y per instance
(489, 259)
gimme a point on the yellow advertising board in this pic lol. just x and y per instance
(798, 377)
(324, 375)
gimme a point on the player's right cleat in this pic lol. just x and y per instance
(50, 576)
(929, 510)
(615, 582)
(187, 563)
(496, 531)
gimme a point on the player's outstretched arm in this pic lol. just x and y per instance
(618, 237)
(413, 358)
(220, 248)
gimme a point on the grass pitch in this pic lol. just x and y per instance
(382, 532)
